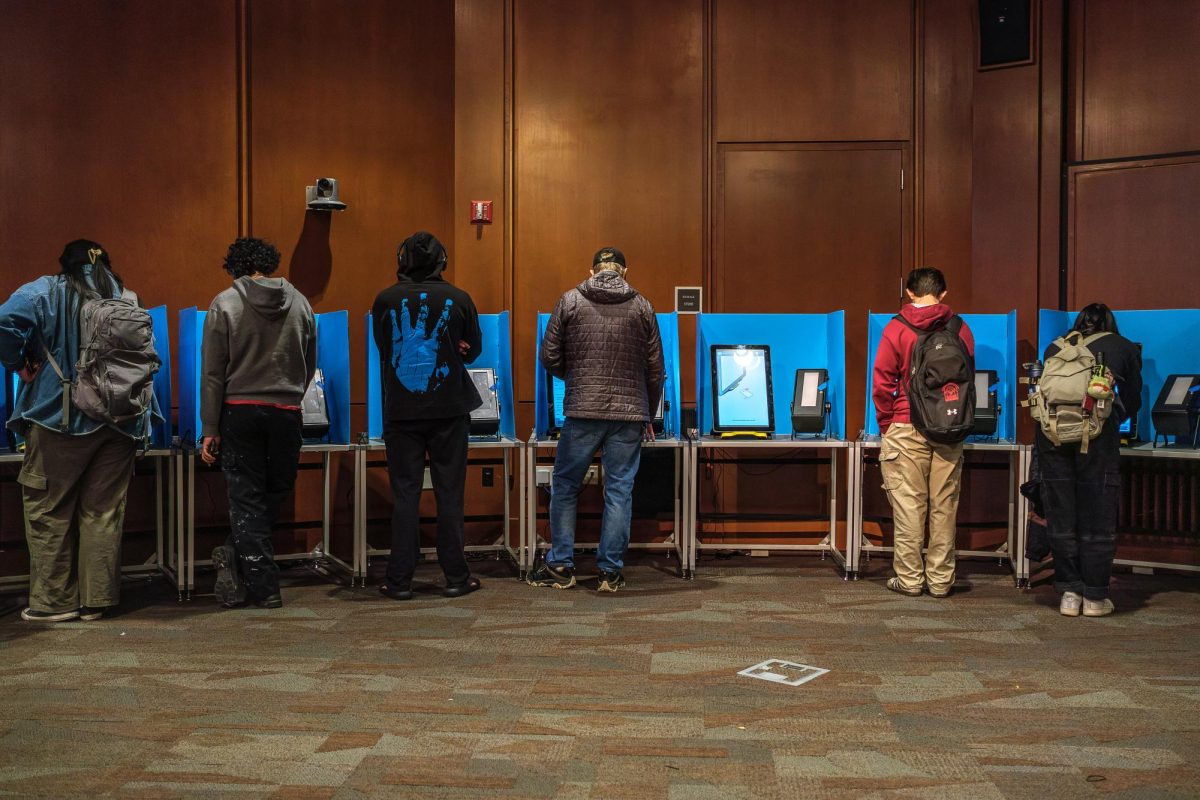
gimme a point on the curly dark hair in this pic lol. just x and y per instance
(247, 256)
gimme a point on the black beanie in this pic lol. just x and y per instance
(420, 256)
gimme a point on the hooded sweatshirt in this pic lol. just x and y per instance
(603, 340)
(418, 324)
(894, 359)
(260, 347)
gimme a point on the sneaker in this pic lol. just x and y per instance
(228, 588)
(949, 590)
(29, 615)
(271, 601)
(546, 575)
(895, 585)
(90, 613)
(610, 581)
(1098, 608)
(1070, 604)
(393, 591)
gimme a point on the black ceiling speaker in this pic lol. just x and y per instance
(1004, 33)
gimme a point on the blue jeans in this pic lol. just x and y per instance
(622, 453)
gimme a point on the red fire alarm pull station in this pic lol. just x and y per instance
(481, 211)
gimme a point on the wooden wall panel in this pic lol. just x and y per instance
(943, 170)
(118, 123)
(1137, 77)
(798, 226)
(480, 96)
(1133, 239)
(609, 150)
(362, 92)
(811, 70)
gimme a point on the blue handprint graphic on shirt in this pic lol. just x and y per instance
(415, 351)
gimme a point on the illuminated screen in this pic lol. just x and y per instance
(485, 384)
(741, 388)
(1179, 390)
(558, 391)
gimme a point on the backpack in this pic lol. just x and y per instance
(941, 383)
(114, 377)
(1060, 401)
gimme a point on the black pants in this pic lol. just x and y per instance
(1080, 494)
(445, 442)
(260, 453)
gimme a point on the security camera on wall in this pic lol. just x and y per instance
(324, 196)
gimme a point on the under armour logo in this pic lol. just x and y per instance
(951, 412)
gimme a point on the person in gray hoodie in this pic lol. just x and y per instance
(258, 356)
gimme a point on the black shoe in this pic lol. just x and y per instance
(90, 613)
(29, 615)
(546, 575)
(389, 590)
(610, 581)
(228, 588)
(460, 589)
(270, 601)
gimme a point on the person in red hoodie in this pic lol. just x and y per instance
(921, 477)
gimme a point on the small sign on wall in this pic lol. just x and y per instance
(689, 299)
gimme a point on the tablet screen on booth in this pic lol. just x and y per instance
(485, 383)
(741, 384)
(557, 390)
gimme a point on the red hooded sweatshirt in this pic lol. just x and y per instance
(895, 357)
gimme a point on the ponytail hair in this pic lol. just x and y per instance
(1095, 318)
(83, 256)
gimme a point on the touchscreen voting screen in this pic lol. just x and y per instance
(741, 388)
(485, 384)
(557, 392)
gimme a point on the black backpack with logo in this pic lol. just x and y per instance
(941, 383)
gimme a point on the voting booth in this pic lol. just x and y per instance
(996, 385)
(549, 393)
(333, 363)
(768, 387)
(493, 442)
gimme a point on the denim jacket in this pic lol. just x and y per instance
(39, 312)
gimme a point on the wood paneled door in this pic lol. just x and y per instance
(813, 228)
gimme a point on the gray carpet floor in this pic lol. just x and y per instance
(538, 693)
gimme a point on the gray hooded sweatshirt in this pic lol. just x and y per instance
(260, 346)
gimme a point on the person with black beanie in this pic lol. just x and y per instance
(427, 331)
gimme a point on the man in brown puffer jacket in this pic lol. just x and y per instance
(603, 340)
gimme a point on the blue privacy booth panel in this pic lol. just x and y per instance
(797, 341)
(495, 353)
(161, 435)
(333, 358)
(668, 328)
(1169, 339)
(191, 334)
(995, 349)
(8, 393)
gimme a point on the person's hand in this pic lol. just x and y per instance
(463, 348)
(210, 446)
(29, 371)
(649, 434)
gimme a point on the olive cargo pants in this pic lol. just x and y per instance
(73, 489)
(922, 482)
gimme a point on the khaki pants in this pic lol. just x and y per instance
(74, 492)
(922, 481)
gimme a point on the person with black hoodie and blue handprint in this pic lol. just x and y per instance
(427, 331)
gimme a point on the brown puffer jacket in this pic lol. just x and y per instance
(603, 340)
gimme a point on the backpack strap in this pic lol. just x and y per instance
(1087, 341)
(954, 324)
(66, 387)
(909, 325)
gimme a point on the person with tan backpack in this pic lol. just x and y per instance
(1091, 383)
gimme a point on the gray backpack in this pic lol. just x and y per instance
(114, 377)
(1058, 402)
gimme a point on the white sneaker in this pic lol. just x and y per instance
(1098, 608)
(1070, 604)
